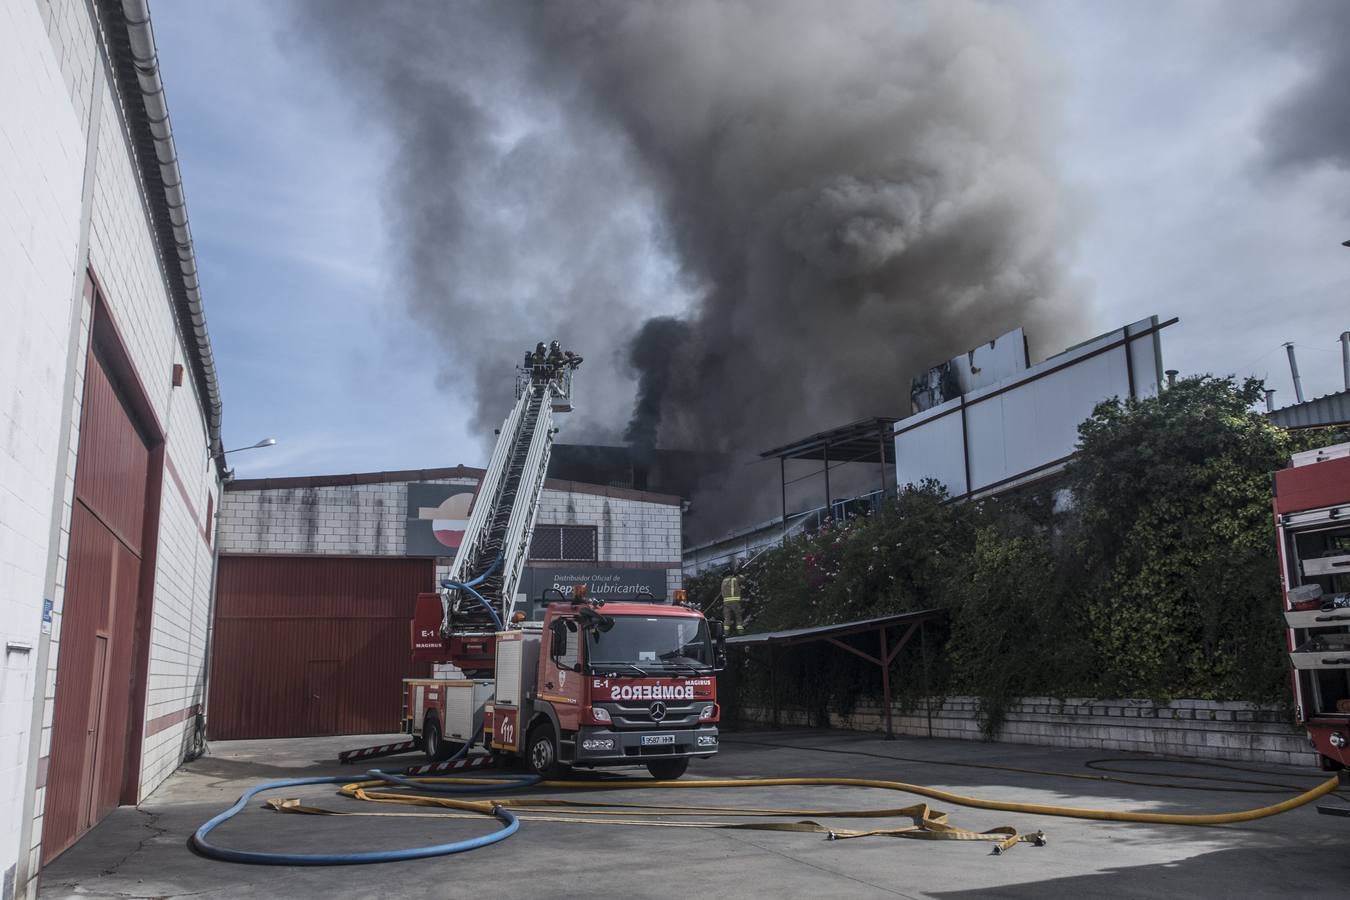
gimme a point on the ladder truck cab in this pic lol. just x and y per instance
(556, 681)
(1312, 521)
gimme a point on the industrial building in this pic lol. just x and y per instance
(110, 455)
(319, 575)
(983, 423)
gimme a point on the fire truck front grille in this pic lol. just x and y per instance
(665, 750)
(640, 716)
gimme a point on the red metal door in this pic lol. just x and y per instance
(321, 695)
(308, 646)
(93, 717)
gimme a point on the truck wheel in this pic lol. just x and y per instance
(541, 752)
(667, 769)
(434, 744)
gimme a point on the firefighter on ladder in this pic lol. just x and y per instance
(731, 601)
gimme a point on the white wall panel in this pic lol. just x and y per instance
(1023, 424)
(933, 450)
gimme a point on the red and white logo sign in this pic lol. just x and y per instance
(450, 519)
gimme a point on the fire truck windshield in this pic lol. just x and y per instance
(653, 644)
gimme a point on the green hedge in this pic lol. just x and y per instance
(1150, 572)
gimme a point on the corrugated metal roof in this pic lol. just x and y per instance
(1333, 409)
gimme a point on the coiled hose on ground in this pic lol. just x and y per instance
(927, 823)
(510, 824)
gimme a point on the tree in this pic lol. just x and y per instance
(1172, 500)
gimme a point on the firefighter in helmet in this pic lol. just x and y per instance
(555, 357)
(731, 600)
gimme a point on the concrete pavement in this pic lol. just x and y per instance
(143, 852)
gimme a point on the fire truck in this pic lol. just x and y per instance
(562, 680)
(1312, 521)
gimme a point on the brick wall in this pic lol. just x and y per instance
(371, 520)
(1202, 729)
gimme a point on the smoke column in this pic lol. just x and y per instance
(805, 203)
(1311, 124)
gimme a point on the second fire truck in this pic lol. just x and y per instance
(1312, 521)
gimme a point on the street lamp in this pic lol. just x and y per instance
(229, 473)
(265, 442)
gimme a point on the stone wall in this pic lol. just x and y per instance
(1202, 729)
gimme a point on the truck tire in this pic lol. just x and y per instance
(434, 744)
(667, 769)
(541, 752)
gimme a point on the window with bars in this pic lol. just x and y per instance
(560, 542)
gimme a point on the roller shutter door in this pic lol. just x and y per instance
(309, 646)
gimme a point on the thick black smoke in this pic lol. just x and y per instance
(828, 197)
(653, 355)
(1311, 124)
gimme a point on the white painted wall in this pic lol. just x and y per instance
(49, 97)
(41, 171)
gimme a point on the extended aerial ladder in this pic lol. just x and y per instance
(479, 596)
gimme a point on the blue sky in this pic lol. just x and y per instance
(312, 342)
(1164, 105)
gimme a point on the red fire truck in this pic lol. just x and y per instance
(1312, 520)
(557, 681)
(593, 683)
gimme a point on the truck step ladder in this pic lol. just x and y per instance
(452, 765)
(346, 757)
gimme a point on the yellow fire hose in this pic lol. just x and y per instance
(926, 823)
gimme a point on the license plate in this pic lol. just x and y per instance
(649, 740)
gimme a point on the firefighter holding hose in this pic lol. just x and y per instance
(731, 600)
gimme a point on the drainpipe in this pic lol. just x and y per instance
(174, 205)
(1293, 370)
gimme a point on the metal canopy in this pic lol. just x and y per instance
(870, 440)
(854, 441)
(831, 634)
(821, 632)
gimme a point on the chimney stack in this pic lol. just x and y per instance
(1293, 370)
(1172, 377)
(1270, 399)
(1345, 358)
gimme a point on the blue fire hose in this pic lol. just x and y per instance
(510, 825)
(473, 583)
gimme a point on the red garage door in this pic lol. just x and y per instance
(98, 711)
(308, 646)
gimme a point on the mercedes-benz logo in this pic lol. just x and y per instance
(658, 711)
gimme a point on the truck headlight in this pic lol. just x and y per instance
(1337, 740)
(707, 740)
(597, 744)
(707, 712)
(600, 714)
